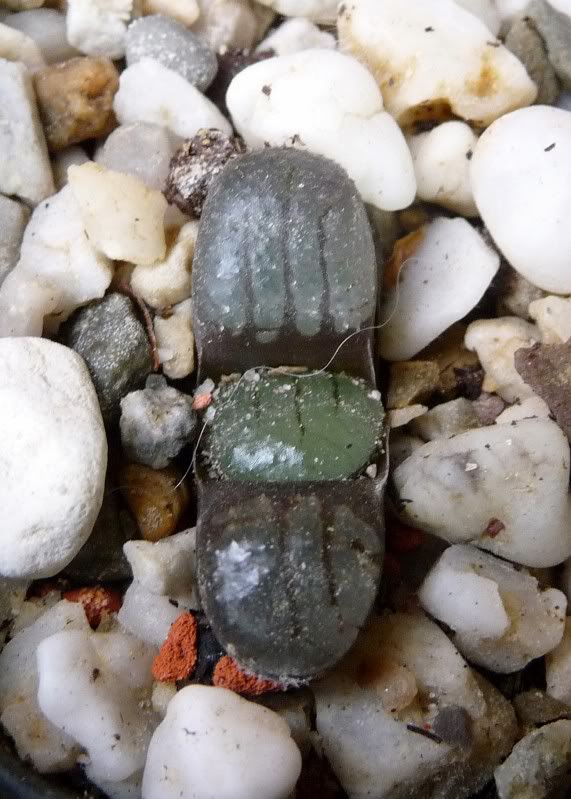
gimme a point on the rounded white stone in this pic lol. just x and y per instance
(441, 160)
(46, 27)
(213, 743)
(150, 92)
(447, 276)
(327, 103)
(486, 11)
(434, 54)
(53, 456)
(553, 318)
(321, 11)
(98, 27)
(521, 179)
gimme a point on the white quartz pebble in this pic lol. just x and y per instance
(405, 671)
(97, 706)
(16, 46)
(322, 11)
(434, 59)
(523, 163)
(168, 281)
(147, 615)
(24, 163)
(295, 35)
(123, 218)
(142, 150)
(236, 750)
(53, 457)
(526, 409)
(558, 668)
(185, 11)
(14, 217)
(447, 276)
(35, 737)
(503, 488)
(175, 341)
(58, 271)
(327, 103)
(46, 27)
(509, 9)
(166, 567)
(485, 10)
(553, 318)
(150, 92)
(495, 341)
(441, 160)
(500, 617)
(98, 27)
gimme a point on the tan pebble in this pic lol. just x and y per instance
(412, 382)
(76, 100)
(155, 498)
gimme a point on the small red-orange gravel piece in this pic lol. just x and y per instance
(227, 674)
(96, 601)
(178, 654)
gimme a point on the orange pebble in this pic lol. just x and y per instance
(178, 654)
(201, 401)
(96, 601)
(227, 674)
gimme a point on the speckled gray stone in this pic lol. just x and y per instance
(174, 46)
(555, 30)
(13, 219)
(109, 336)
(156, 423)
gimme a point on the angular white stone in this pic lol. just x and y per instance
(527, 409)
(495, 341)
(441, 160)
(58, 270)
(322, 11)
(24, 166)
(122, 217)
(142, 150)
(166, 567)
(402, 416)
(239, 750)
(146, 615)
(175, 341)
(402, 662)
(98, 27)
(327, 103)
(53, 458)
(514, 473)
(35, 737)
(434, 54)
(445, 420)
(558, 668)
(168, 282)
(185, 11)
(501, 618)
(509, 9)
(150, 92)
(533, 180)
(447, 276)
(13, 220)
(16, 46)
(295, 35)
(553, 318)
(46, 27)
(103, 713)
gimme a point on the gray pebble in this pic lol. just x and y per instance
(113, 342)
(555, 30)
(156, 423)
(13, 219)
(174, 46)
(526, 43)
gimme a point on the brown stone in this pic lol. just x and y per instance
(75, 99)
(547, 369)
(412, 382)
(460, 370)
(156, 498)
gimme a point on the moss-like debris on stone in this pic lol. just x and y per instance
(278, 427)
